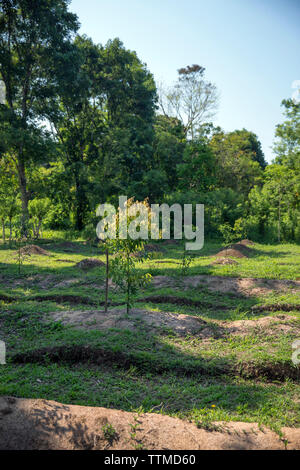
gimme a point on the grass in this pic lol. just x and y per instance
(221, 378)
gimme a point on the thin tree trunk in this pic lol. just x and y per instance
(279, 216)
(10, 230)
(3, 230)
(24, 195)
(106, 280)
(128, 285)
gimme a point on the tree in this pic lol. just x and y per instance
(197, 172)
(192, 99)
(9, 198)
(287, 145)
(169, 144)
(38, 210)
(104, 124)
(35, 57)
(278, 200)
(236, 161)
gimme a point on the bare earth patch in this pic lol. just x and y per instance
(30, 424)
(89, 263)
(243, 286)
(117, 318)
(179, 324)
(237, 250)
(267, 325)
(34, 250)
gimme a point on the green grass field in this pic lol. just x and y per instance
(247, 376)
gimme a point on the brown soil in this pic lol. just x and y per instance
(266, 325)
(89, 263)
(31, 424)
(223, 284)
(224, 261)
(116, 318)
(34, 250)
(237, 250)
(246, 242)
(230, 252)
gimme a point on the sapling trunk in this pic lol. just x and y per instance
(3, 230)
(106, 280)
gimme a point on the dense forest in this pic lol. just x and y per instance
(82, 123)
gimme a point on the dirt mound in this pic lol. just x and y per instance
(89, 263)
(30, 424)
(233, 285)
(230, 252)
(29, 250)
(116, 318)
(269, 325)
(246, 242)
(224, 261)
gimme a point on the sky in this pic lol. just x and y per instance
(249, 48)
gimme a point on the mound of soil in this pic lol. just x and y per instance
(246, 242)
(89, 263)
(29, 250)
(230, 252)
(224, 261)
(97, 319)
(237, 250)
(233, 285)
(31, 424)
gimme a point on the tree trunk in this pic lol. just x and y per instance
(106, 280)
(10, 230)
(81, 204)
(279, 216)
(3, 230)
(24, 196)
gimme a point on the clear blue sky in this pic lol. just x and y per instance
(250, 49)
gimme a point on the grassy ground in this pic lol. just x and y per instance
(248, 377)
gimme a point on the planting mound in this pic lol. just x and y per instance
(116, 318)
(233, 285)
(34, 250)
(237, 250)
(89, 263)
(246, 242)
(30, 424)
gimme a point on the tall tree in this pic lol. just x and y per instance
(287, 145)
(35, 51)
(192, 99)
